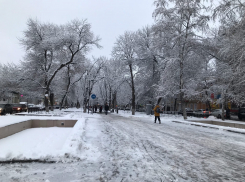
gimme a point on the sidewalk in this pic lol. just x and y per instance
(229, 123)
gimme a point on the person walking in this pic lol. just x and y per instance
(157, 113)
(106, 109)
(100, 109)
(95, 108)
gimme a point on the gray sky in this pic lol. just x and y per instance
(109, 19)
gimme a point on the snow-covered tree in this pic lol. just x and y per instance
(148, 75)
(230, 48)
(70, 77)
(50, 48)
(10, 81)
(177, 24)
(113, 78)
(124, 51)
(91, 77)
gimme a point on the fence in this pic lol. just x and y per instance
(34, 109)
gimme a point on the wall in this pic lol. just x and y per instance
(18, 127)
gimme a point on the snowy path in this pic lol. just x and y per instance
(115, 148)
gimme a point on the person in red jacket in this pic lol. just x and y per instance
(157, 113)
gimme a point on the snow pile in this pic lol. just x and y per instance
(34, 143)
(12, 119)
(50, 144)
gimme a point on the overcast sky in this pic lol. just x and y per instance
(109, 19)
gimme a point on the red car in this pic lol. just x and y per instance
(19, 108)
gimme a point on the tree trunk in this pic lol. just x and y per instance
(78, 104)
(223, 110)
(110, 100)
(208, 104)
(114, 100)
(51, 98)
(46, 104)
(183, 105)
(223, 106)
(85, 106)
(181, 92)
(62, 101)
(175, 104)
(159, 100)
(66, 103)
(67, 87)
(133, 89)
(46, 101)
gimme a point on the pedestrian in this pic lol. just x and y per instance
(100, 109)
(157, 113)
(95, 108)
(106, 109)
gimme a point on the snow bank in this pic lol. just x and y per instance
(51, 144)
(34, 143)
(41, 143)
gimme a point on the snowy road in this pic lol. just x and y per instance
(115, 148)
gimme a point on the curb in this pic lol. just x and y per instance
(204, 126)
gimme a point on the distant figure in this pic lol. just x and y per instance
(157, 113)
(95, 108)
(100, 109)
(106, 109)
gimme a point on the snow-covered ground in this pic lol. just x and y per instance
(34, 143)
(121, 147)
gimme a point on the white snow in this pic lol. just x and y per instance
(34, 143)
(10, 119)
(122, 147)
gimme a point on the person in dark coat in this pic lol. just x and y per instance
(157, 115)
(100, 109)
(95, 108)
(106, 109)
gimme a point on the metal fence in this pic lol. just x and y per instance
(35, 109)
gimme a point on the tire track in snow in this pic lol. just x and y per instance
(128, 139)
(196, 160)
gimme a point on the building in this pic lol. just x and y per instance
(9, 97)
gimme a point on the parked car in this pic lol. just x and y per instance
(19, 108)
(189, 112)
(241, 113)
(31, 105)
(201, 113)
(140, 110)
(6, 108)
(218, 113)
(40, 106)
